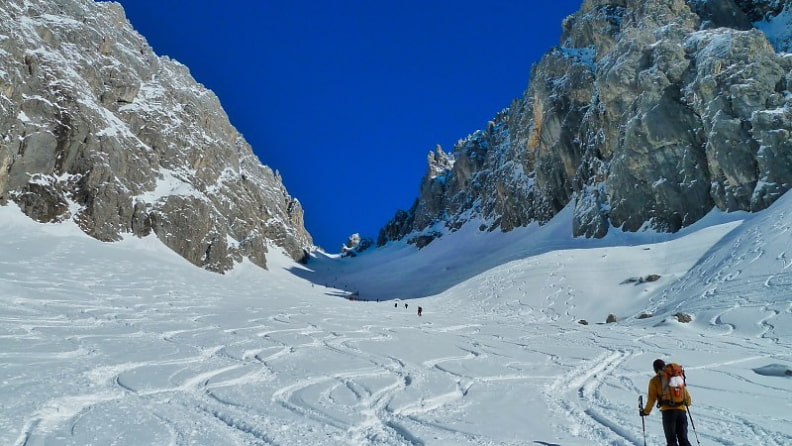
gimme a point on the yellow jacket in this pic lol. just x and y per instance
(656, 391)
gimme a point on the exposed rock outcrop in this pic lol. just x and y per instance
(95, 127)
(355, 245)
(649, 113)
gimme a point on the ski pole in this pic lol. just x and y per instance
(690, 415)
(643, 421)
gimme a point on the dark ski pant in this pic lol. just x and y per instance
(675, 427)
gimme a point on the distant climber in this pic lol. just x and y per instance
(420, 310)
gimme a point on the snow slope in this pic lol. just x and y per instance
(127, 344)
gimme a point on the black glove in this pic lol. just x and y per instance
(642, 413)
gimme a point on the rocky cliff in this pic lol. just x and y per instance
(649, 113)
(95, 127)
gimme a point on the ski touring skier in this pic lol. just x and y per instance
(673, 399)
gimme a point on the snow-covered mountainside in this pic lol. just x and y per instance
(650, 113)
(96, 128)
(127, 344)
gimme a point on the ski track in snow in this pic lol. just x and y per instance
(207, 368)
(171, 355)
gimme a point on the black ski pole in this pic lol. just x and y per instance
(690, 415)
(643, 421)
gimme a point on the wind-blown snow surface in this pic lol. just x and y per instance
(127, 344)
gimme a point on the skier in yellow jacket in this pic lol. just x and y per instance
(675, 425)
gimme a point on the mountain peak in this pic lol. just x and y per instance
(101, 130)
(648, 115)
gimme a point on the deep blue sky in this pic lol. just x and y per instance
(347, 97)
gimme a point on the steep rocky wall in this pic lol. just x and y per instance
(649, 113)
(95, 127)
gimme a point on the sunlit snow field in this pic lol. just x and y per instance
(127, 344)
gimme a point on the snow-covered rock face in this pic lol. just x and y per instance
(778, 28)
(355, 245)
(95, 127)
(649, 113)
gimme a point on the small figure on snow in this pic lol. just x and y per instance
(420, 310)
